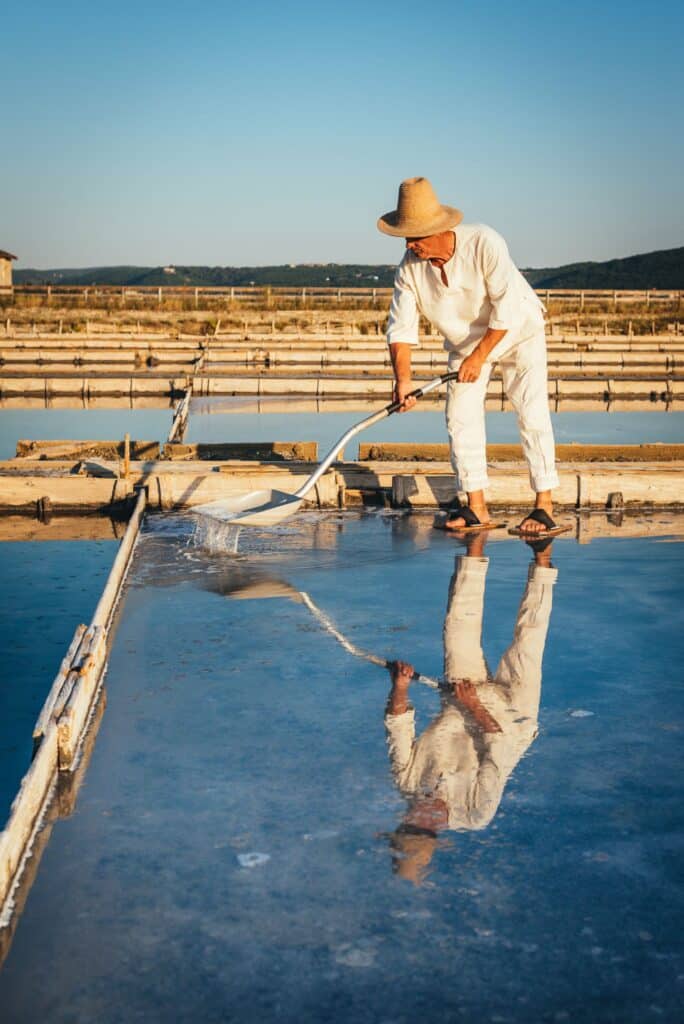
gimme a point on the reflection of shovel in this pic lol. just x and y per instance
(260, 589)
(268, 507)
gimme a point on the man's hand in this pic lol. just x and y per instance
(401, 674)
(470, 368)
(400, 391)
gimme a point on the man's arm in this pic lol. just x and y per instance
(402, 334)
(400, 354)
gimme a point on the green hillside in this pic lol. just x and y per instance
(331, 275)
(661, 269)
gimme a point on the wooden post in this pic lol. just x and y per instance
(127, 456)
(85, 296)
(615, 301)
(49, 294)
(159, 296)
(581, 300)
(196, 298)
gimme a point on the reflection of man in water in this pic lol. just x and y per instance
(455, 773)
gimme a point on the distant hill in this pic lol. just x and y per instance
(661, 269)
(330, 275)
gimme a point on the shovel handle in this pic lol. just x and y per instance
(436, 382)
(369, 421)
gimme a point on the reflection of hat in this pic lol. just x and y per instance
(419, 212)
(413, 848)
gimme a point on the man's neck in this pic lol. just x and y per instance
(440, 261)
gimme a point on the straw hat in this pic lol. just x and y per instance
(419, 212)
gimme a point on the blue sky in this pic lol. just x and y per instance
(259, 133)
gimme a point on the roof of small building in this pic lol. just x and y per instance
(6, 255)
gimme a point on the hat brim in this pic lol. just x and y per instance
(390, 224)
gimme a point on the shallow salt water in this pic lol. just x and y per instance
(80, 424)
(46, 589)
(424, 427)
(207, 425)
(248, 846)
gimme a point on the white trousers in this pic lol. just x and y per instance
(525, 382)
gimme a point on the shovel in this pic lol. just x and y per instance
(269, 507)
(262, 588)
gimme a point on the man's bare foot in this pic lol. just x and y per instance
(544, 502)
(477, 508)
(542, 550)
(475, 544)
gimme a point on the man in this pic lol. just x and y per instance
(454, 773)
(462, 279)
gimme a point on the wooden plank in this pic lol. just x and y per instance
(27, 807)
(636, 485)
(174, 491)
(511, 487)
(86, 449)
(577, 488)
(406, 451)
(74, 714)
(117, 574)
(65, 493)
(45, 715)
(275, 451)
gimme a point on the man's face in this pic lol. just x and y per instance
(440, 246)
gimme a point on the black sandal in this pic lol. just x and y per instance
(539, 515)
(472, 523)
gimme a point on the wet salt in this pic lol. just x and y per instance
(253, 860)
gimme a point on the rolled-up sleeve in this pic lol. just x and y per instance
(501, 282)
(401, 732)
(403, 315)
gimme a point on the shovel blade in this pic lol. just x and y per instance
(257, 508)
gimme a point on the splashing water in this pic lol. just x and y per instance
(216, 536)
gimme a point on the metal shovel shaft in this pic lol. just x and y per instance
(369, 421)
(266, 508)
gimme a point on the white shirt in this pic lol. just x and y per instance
(485, 289)
(463, 764)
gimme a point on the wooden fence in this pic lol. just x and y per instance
(272, 297)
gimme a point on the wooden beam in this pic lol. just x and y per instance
(276, 451)
(406, 451)
(579, 487)
(87, 449)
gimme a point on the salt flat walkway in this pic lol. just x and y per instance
(236, 849)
